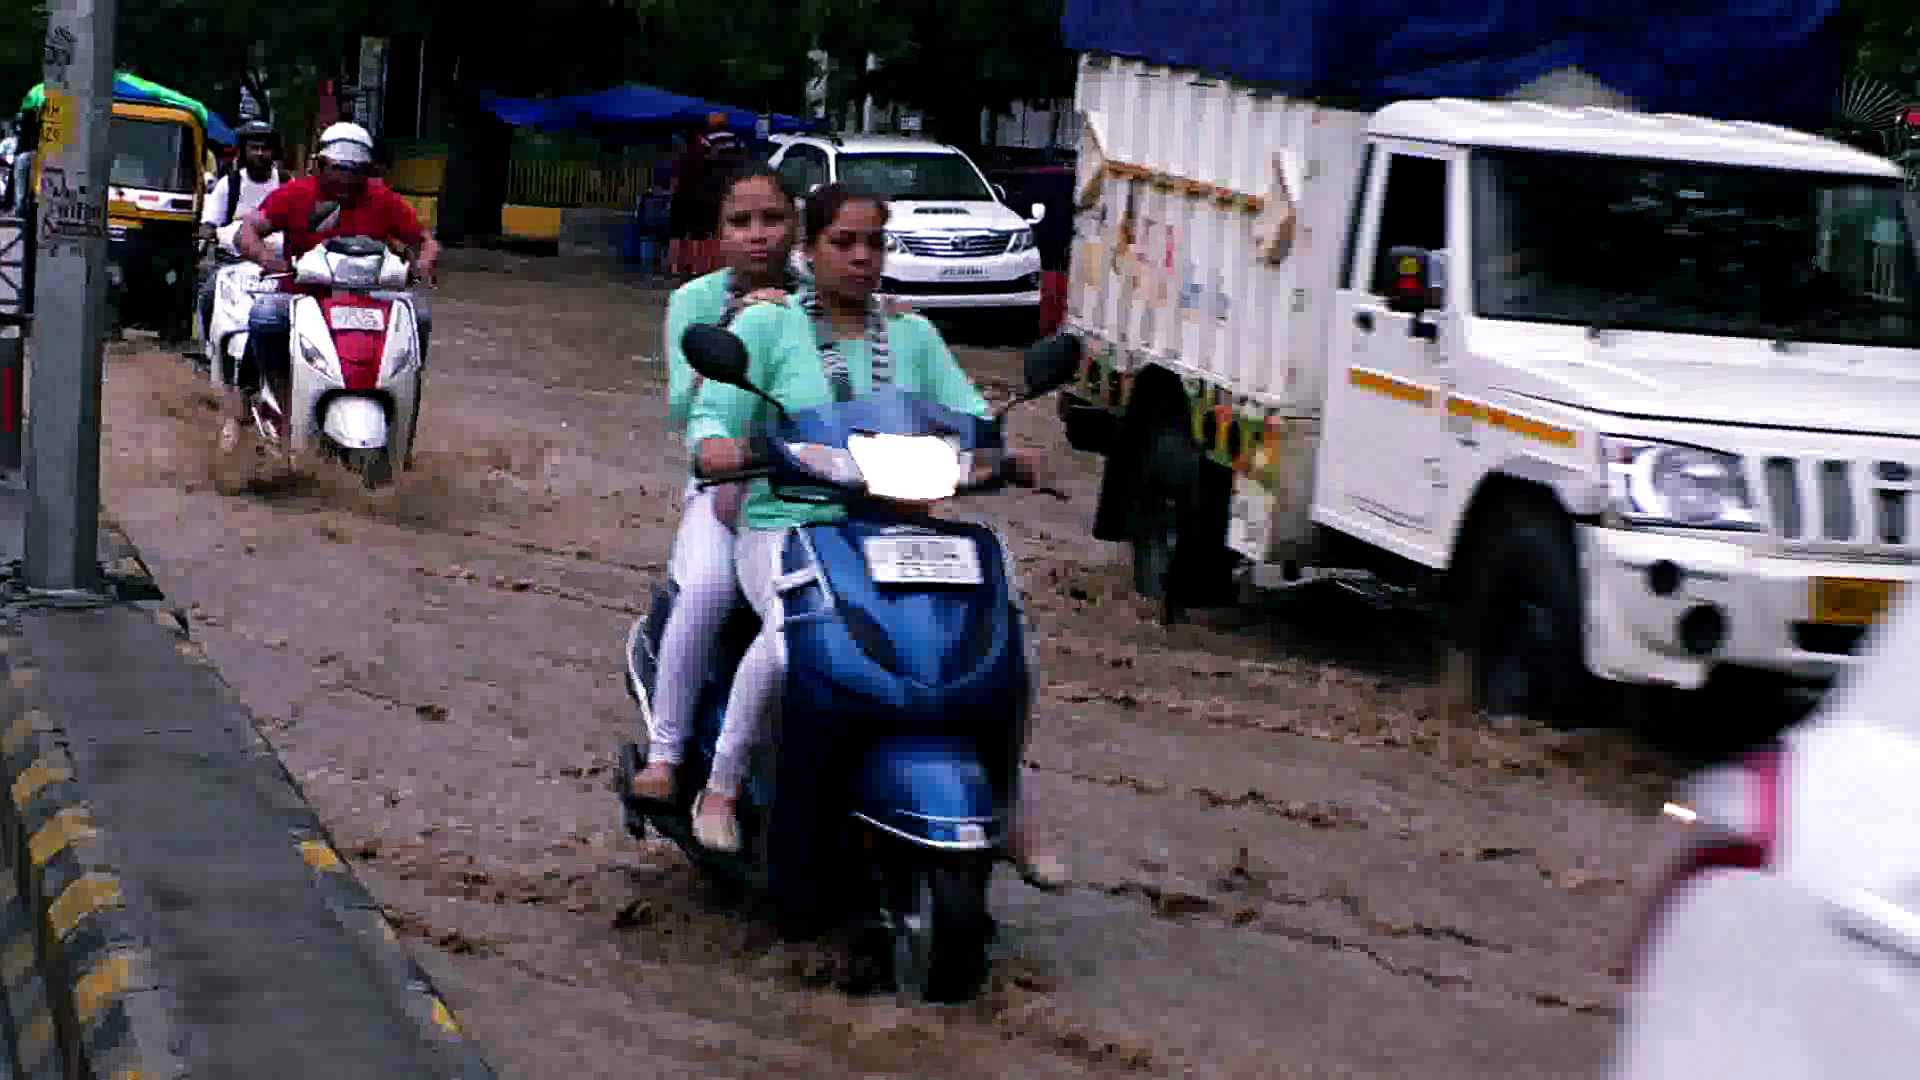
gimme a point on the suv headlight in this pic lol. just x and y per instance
(894, 244)
(1655, 483)
(1022, 240)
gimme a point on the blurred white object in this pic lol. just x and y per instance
(1786, 940)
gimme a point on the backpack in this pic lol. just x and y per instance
(233, 188)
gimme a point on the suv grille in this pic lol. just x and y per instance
(956, 245)
(1859, 504)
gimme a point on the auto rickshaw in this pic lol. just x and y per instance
(158, 141)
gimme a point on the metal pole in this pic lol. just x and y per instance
(63, 420)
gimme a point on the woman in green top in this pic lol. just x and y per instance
(833, 341)
(756, 238)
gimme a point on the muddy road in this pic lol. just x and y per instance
(1296, 855)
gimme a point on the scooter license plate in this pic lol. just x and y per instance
(357, 318)
(923, 560)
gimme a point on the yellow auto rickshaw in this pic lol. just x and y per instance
(158, 143)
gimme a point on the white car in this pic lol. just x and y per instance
(1785, 942)
(952, 242)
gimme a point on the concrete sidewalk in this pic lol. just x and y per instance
(172, 905)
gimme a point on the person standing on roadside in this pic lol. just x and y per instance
(696, 197)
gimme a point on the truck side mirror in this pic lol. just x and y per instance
(1408, 290)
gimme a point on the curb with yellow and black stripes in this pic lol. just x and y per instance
(83, 998)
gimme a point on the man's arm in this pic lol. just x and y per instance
(251, 242)
(404, 226)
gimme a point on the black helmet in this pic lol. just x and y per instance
(255, 129)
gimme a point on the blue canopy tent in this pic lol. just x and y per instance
(1768, 60)
(630, 106)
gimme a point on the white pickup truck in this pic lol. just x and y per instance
(1637, 394)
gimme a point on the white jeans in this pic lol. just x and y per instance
(762, 671)
(702, 568)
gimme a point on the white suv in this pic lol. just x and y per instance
(952, 242)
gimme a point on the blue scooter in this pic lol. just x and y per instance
(876, 801)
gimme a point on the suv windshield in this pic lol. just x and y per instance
(1693, 249)
(154, 155)
(943, 177)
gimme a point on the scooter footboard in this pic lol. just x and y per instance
(930, 791)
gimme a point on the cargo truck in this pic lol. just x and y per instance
(1634, 392)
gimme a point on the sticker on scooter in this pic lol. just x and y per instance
(923, 560)
(357, 318)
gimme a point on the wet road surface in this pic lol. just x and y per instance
(1297, 855)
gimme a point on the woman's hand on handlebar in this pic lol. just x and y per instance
(720, 457)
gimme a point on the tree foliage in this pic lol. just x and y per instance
(949, 60)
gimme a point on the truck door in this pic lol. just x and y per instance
(1387, 388)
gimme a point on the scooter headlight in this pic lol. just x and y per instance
(830, 463)
(908, 468)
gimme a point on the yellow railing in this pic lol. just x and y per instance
(577, 184)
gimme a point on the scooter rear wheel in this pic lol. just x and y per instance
(941, 932)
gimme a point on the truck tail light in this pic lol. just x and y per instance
(1737, 827)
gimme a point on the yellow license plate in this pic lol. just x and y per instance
(1852, 601)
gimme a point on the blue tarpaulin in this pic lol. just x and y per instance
(632, 105)
(1767, 60)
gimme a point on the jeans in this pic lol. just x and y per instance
(702, 570)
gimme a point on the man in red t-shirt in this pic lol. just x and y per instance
(341, 199)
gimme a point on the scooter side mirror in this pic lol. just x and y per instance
(716, 354)
(323, 215)
(1052, 364)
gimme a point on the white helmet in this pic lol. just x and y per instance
(348, 144)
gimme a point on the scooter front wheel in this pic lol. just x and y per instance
(941, 931)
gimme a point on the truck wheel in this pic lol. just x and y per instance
(1524, 622)
(1157, 507)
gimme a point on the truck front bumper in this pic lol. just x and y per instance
(1668, 609)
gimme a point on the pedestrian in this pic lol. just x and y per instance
(707, 156)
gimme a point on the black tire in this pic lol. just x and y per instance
(941, 932)
(375, 467)
(1162, 518)
(1524, 621)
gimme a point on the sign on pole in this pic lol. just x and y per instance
(69, 302)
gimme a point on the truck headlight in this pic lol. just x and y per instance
(1655, 483)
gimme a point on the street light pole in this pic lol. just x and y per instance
(63, 420)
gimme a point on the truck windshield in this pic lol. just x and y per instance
(153, 155)
(1694, 249)
(929, 177)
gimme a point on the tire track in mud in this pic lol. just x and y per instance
(689, 922)
(1233, 897)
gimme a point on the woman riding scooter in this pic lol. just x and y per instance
(834, 341)
(756, 238)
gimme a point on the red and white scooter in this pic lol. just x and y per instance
(355, 361)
